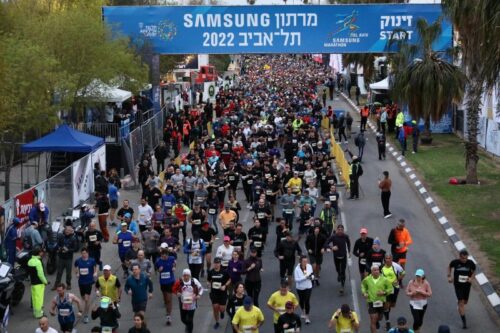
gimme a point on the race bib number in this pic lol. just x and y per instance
(294, 141)
(224, 263)
(267, 175)
(187, 299)
(257, 244)
(282, 238)
(330, 181)
(126, 243)
(167, 204)
(261, 215)
(247, 329)
(333, 198)
(165, 275)
(84, 271)
(211, 211)
(345, 330)
(378, 264)
(378, 304)
(269, 192)
(221, 189)
(281, 310)
(269, 139)
(362, 261)
(323, 177)
(288, 210)
(289, 330)
(197, 222)
(216, 285)
(231, 178)
(250, 181)
(93, 238)
(64, 312)
(463, 278)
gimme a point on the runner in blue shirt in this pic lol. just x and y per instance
(86, 271)
(165, 265)
(124, 240)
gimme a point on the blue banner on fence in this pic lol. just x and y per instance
(274, 29)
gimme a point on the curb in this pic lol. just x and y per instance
(482, 280)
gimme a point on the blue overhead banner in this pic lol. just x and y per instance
(274, 29)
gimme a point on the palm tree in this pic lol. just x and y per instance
(477, 25)
(428, 84)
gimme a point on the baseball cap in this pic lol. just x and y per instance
(247, 301)
(401, 321)
(217, 260)
(443, 329)
(420, 272)
(127, 215)
(227, 239)
(364, 231)
(289, 305)
(105, 302)
(186, 271)
(376, 241)
(106, 268)
(123, 224)
(327, 202)
(164, 246)
(42, 206)
(16, 220)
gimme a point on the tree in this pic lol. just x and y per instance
(428, 84)
(28, 77)
(477, 25)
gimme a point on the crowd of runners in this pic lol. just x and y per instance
(265, 136)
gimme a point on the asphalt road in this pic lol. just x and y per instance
(430, 251)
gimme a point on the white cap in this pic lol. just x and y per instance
(106, 268)
(164, 246)
(186, 271)
(42, 206)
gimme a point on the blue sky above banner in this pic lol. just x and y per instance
(273, 29)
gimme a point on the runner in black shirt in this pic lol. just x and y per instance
(218, 280)
(289, 321)
(207, 233)
(463, 275)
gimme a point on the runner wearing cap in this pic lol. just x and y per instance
(108, 285)
(253, 281)
(218, 281)
(189, 290)
(248, 318)
(289, 322)
(107, 313)
(131, 225)
(169, 242)
(374, 257)
(402, 327)
(375, 289)
(165, 266)
(344, 320)
(277, 302)
(225, 252)
(361, 248)
(419, 290)
(124, 240)
(463, 275)
(327, 215)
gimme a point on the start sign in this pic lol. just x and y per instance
(274, 29)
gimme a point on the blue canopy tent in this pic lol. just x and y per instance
(66, 140)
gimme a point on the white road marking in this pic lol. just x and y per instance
(494, 299)
(450, 231)
(443, 220)
(459, 245)
(429, 200)
(417, 183)
(412, 176)
(407, 170)
(422, 190)
(435, 209)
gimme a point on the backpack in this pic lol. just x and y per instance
(193, 285)
(191, 241)
(359, 170)
(27, 241)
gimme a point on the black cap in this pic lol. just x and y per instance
(217, 260)
(401, 321)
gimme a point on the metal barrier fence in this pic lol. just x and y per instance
(149, 134)
(110, 132)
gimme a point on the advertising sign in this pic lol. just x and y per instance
(83, 176)
(24, 203)
(274, 29)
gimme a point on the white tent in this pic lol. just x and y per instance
(101, 92)
(380, 85)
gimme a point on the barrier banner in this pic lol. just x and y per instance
(274, 29)
(24, 203)
(83, 175)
